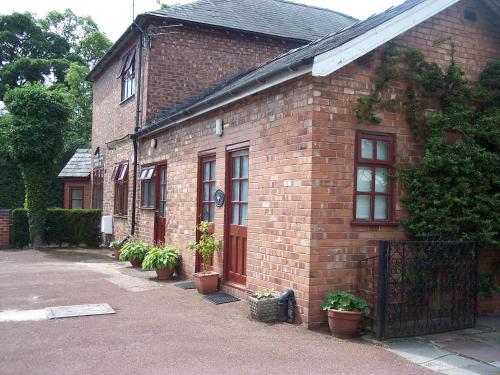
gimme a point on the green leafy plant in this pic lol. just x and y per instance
(345, 301)
(265, 294)
(118, 244)
(167, 257)
(207, 244)
(134, 250)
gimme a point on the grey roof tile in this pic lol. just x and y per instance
(79, 165)
(295, 57)
(284, 19)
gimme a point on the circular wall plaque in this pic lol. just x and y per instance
(219, 198)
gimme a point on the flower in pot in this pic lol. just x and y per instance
(345, 313)
(264, 305)
(134, 251)
(206, 281)
(116, 246)
(164, 260)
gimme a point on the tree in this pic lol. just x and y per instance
(34, 132)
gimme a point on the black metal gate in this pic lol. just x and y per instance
(425, 287)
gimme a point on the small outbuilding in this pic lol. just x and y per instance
(76, 179)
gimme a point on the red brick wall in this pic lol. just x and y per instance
(336, 244)
(77, 183)
(5, 216)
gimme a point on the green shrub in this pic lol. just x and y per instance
(167, 257)
(206, 245)
(62, 226)
(345, 301)
(134, 250)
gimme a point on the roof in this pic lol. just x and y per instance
(288, 61)
(275, 18)
(78, 166)
(283, 19)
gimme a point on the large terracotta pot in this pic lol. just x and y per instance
(117, 253)
(344, 324)
(164, 274)
(206, 282)
(136, 263)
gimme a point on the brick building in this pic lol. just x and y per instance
(280, 139)
(76, 180)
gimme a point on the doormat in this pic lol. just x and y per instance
(78, 310)
(186, 285)
(220, 298)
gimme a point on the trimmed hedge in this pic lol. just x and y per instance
(63, 226)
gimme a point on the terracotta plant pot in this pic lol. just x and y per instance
(117, 253)
(206, 283)
(344, 324)
(136, 263)
(164, 274)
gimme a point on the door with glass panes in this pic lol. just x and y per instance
(161, 204)
(206, 202)
(235, 261)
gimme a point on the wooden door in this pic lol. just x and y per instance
(206, 202)
(237, 213)
(161, 204)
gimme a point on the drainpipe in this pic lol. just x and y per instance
(137, 126)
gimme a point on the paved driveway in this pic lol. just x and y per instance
(158, 328)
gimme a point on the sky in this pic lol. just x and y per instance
(113, 16)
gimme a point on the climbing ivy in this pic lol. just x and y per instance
(454, 191)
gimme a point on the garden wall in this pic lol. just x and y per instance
(4, 228)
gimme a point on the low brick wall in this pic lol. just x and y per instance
(4, 228)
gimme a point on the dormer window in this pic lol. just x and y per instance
(128, 76)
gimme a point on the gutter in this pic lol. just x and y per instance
(252, 87)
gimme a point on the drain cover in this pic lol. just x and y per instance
(78, 310)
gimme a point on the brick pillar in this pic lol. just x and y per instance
(4, 228)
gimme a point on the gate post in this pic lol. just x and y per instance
(381, 289)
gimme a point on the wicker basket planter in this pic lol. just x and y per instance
(264, 310)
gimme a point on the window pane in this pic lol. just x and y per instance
(381, 207)
(244, 166)
(364, 179)
(212, 191)
(76, 204)
(162, 193)
(244, 210)
(381, 180)
(205, 212)
(206, 171)
(151, 171)
(382, 150)
(244, 190)
(366, 149)
(152, 195)
(163, 176)
(363, 207)
(212, 170)
(235, 219)
(212, 212)
(77, 194)
(236, 167)
(145, 188)
(206, 191)
(144, 173)
(236, 190)
(162, 209)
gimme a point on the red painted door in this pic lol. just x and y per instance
(206, 203)
(161, 204)
(237, 213)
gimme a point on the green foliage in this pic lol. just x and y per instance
(134, 250)
(118, 244)
(34, 133)
(207, 244)
(167, 257)
(344, 301)
(265, 294)
(73, 227)
(12, 187)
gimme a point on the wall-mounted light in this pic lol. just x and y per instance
(153, 143)
(218, 127)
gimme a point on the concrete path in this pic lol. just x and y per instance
(157, 329)
(465, 352)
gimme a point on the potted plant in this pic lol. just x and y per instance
(345, 313)
(134, 251)
(116, 246)
(264, 305)
(206, 281)
(164, 260)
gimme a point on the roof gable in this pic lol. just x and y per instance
(78, 166)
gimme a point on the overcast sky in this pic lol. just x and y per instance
(113, 16)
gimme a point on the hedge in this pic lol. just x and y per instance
(73, 227)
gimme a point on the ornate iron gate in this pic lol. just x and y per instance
(425, 287)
